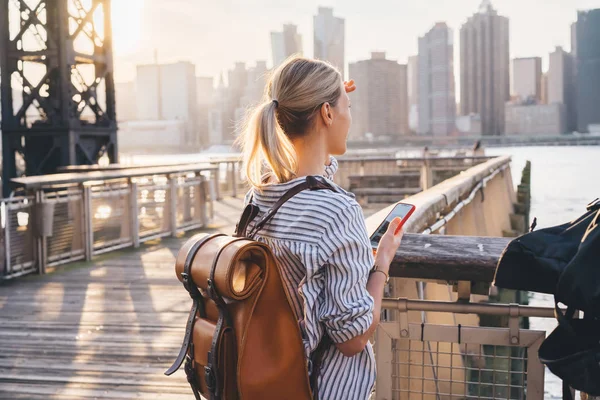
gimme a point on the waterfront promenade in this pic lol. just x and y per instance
(108, 328)
(103, 329)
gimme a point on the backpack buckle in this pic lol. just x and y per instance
(209, 377)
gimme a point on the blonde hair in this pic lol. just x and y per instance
(293, 96)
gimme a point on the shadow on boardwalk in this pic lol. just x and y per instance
(105, 329)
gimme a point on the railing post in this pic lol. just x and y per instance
(215, 178)
(234, 178)
(88, 215)
(7, 266)
(134, 212)
(383, 350)
(201, 199)
(39, 237)
(173, 205)
(426, 175)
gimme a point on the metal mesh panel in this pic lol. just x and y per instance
(433, 370)
(18, 237)
(67, 242)
(430, 361)
(109, 211)
(190, 202)
(153, 209)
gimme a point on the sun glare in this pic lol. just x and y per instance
(126, 25)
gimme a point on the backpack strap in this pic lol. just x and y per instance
(250, 212)
(211, 374)
(197, 306)
(316, 360)
(311, 183)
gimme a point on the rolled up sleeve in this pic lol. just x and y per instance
(345, 306)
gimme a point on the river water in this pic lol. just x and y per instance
(563, 181)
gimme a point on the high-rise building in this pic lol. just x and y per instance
(437, 101)
(285, 44)
(253, 93)
(484, 67)
(380, 107)
(535, 119)
(413, 80)
(205, 93)
(561, 85)
(544, 85)
(237, 83)
(126, 101)
(216, 115)
(527, 78)
(588, 69)
(168, 92)
(329, 38)
(413, 92)
(574, 39)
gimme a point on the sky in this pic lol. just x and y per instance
(214, 34)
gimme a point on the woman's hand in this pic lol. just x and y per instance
(388, 245)
(349, 86)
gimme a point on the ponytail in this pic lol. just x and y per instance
(263, 139)
(293, 96)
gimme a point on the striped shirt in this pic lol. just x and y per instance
(320, 242)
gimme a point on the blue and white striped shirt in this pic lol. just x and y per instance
(320, 241)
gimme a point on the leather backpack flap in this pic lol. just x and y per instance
(271, 359)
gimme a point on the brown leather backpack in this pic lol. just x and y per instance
(242, 338)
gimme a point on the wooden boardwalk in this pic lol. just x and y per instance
(101, 330)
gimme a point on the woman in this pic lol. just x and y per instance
(318, 237)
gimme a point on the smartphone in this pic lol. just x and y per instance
(400, 210)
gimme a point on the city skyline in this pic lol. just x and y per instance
(384, 26)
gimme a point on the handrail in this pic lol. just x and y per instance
(404, 304)
(37, 182)
(434, 201)
(449, 258)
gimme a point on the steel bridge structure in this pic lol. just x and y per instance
(57, 87)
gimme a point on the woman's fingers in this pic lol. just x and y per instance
(349, 86)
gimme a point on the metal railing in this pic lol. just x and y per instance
(439, 349)
(430, 170)
(435, 361)
(74, 217)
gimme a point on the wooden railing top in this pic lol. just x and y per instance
(70, 178)
(450, 258)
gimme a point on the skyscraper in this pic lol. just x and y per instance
(527, 78)
(380, 107)
(574, 39)
(205, 93)
(561, 85)
(484, 67)
(168, 92)
(437, 101)
(413, 80)
(413, 92)
(329, 38)
(285, 44)
(588, 69)
(544, 98)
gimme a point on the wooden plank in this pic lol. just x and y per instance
(441, 257)
(106, 329)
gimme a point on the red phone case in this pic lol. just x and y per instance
(408, 214)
